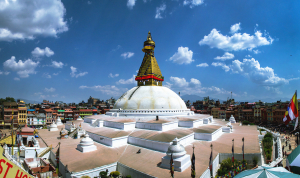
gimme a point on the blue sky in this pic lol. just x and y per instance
(70, 50)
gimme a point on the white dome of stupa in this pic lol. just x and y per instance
(86, 144)
(176, 149)
(58, 121)
(151, 101)
(53, 127)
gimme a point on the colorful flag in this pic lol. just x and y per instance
(292, 110)
(172, 166)
(193, 173)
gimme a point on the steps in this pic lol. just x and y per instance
(96, 123)
(45, 151)
(73, 133)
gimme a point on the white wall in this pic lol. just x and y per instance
(157, 126)
(113, 142)
(192, 124)
(120, 125)
(125, 170)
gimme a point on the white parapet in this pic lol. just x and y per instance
(113, 142)
(120, 125)
(191, 123)
(157, 145)
(180, 164)
(209, 136)
(157, 126)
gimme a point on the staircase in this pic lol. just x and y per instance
(45, 151)
(96, 123)
(7, 139)
(72, 133)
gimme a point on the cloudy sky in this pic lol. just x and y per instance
(68, 51)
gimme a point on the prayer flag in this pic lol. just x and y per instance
(292, 110)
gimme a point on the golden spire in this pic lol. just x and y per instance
(149, 73)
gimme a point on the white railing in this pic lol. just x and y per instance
(278, 141)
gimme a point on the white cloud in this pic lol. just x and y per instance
(251, 69)
(127, 55)
(5, 73)
(38, 52)
(193, 3)
(130, 3)
(181, 82)
(248, 55)
(225, 56)
(113, 75)
(194, 87)
(16, 78)
(89, 2)
(46, 75)
(110, 90)
(256, 51)
(257, 74)
(74, 71)
(57, 64)
(202, 65)
(23, 69)
(28, 19)
(128, 81)
(235, 42)
(55, 73)
(49, 89)
(224, 66)
(235, 28)
(182, 56)
(159, 11)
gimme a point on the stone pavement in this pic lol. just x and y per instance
(291, 141)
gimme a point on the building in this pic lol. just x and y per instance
(222, 114)
(69, 114)
(9, 111)
(146, 124)
(92, 101)
(85, 112)
(215, 112)
(22, 113)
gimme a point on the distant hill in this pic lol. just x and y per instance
(192, 98)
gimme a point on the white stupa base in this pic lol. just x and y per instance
(85, 149)
(180, 164)
(59, 123)
(53, 129)
(233, 121)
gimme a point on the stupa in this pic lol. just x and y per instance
(53, 127)
(232, 119)
(79, 118)
(86, 144)
(180, 158)
(149, 97)
(58, 122)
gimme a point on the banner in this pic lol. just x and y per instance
(9, 170)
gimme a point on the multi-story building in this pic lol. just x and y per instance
(215, 112)
(9, 112)
(22, 114)
(61, 114)
(257, 114)
(36, 120)
(85, 112)
(278, 115)
(69, 114)
(92, 101)
(222, 114)
(49, 116)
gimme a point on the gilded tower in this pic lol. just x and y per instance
(149, 73)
